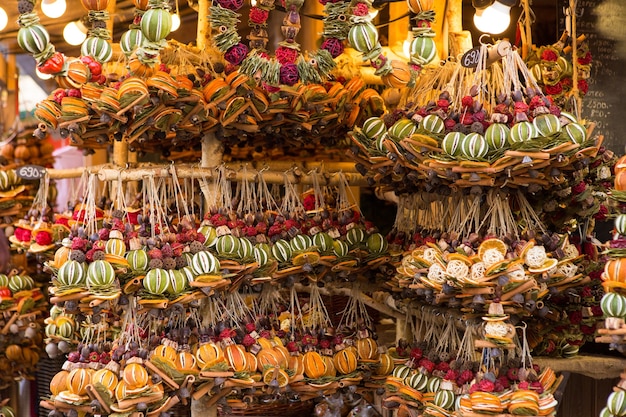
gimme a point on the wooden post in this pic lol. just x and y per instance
(204, 28)
(212, 153)
(528, 41)
(402, 330)
(459, 40)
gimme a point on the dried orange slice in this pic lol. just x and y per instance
(525, 248)
(460, 257)
(278, 374)
(492, 244)
(312, 258)
(547, 265)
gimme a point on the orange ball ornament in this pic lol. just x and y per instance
(400, 75)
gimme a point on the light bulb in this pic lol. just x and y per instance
(4, 19)
(175, 21)
(75, 33)
(53, 8)
(494, 19)
(41, 75)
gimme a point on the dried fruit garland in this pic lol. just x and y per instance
(70, 72)
(343, 21)
(143, 41)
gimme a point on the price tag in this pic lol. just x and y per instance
(31, 172)
(470, 58)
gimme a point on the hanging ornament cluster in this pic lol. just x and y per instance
(22, 311)
(528, 276)
(553, 68)
(487, 370)
(94, 116)
(612, 276)
(70, 73)
(153, 308)
(489, 127)
(37, 233)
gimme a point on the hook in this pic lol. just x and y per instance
(482, 43)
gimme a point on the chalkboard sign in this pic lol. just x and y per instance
(31, 172)
(603, 22)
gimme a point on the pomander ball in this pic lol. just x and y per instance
(286, 55)
(231, 4)
(236, 54)
(334, 46)
(289, 74)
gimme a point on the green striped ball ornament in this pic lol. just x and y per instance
(376, 243)
(21, 283)
(536, 72)
(50, 330)
(434, 382)
(138, 259)
(620, 224)
(301, 243)
(616, 403)
(423, 50)
(65, 328)
(522, 132)
(156, 24)
(264, 247)
(379, 144)
(374, 127)
(564, 66)
(281, 251)
(178, 282)
(547, 124)
(156, 281)
(190, 276)
(613, 305)
(497, 136)
(131, 40)
(323, 241)
(340, 248)
(115, 247)
(13, 178)
(445, 399)
(245, 249)
(569, 351)
(451, 143)
(401, 129)
(33, 39)
(606, 413)
(97, 48)
(100, 273)
(418, 381)
(227, 245)
(355, 236)
(210, 235)
(261, 256)
(71, 273)
(363, 36)
(567, 117)
(4, 180)
(474, 146)
(433, 124)
(205, 263)
(575, 132)
(401, 371)
(188, 257)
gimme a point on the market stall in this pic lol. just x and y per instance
(197, 270)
